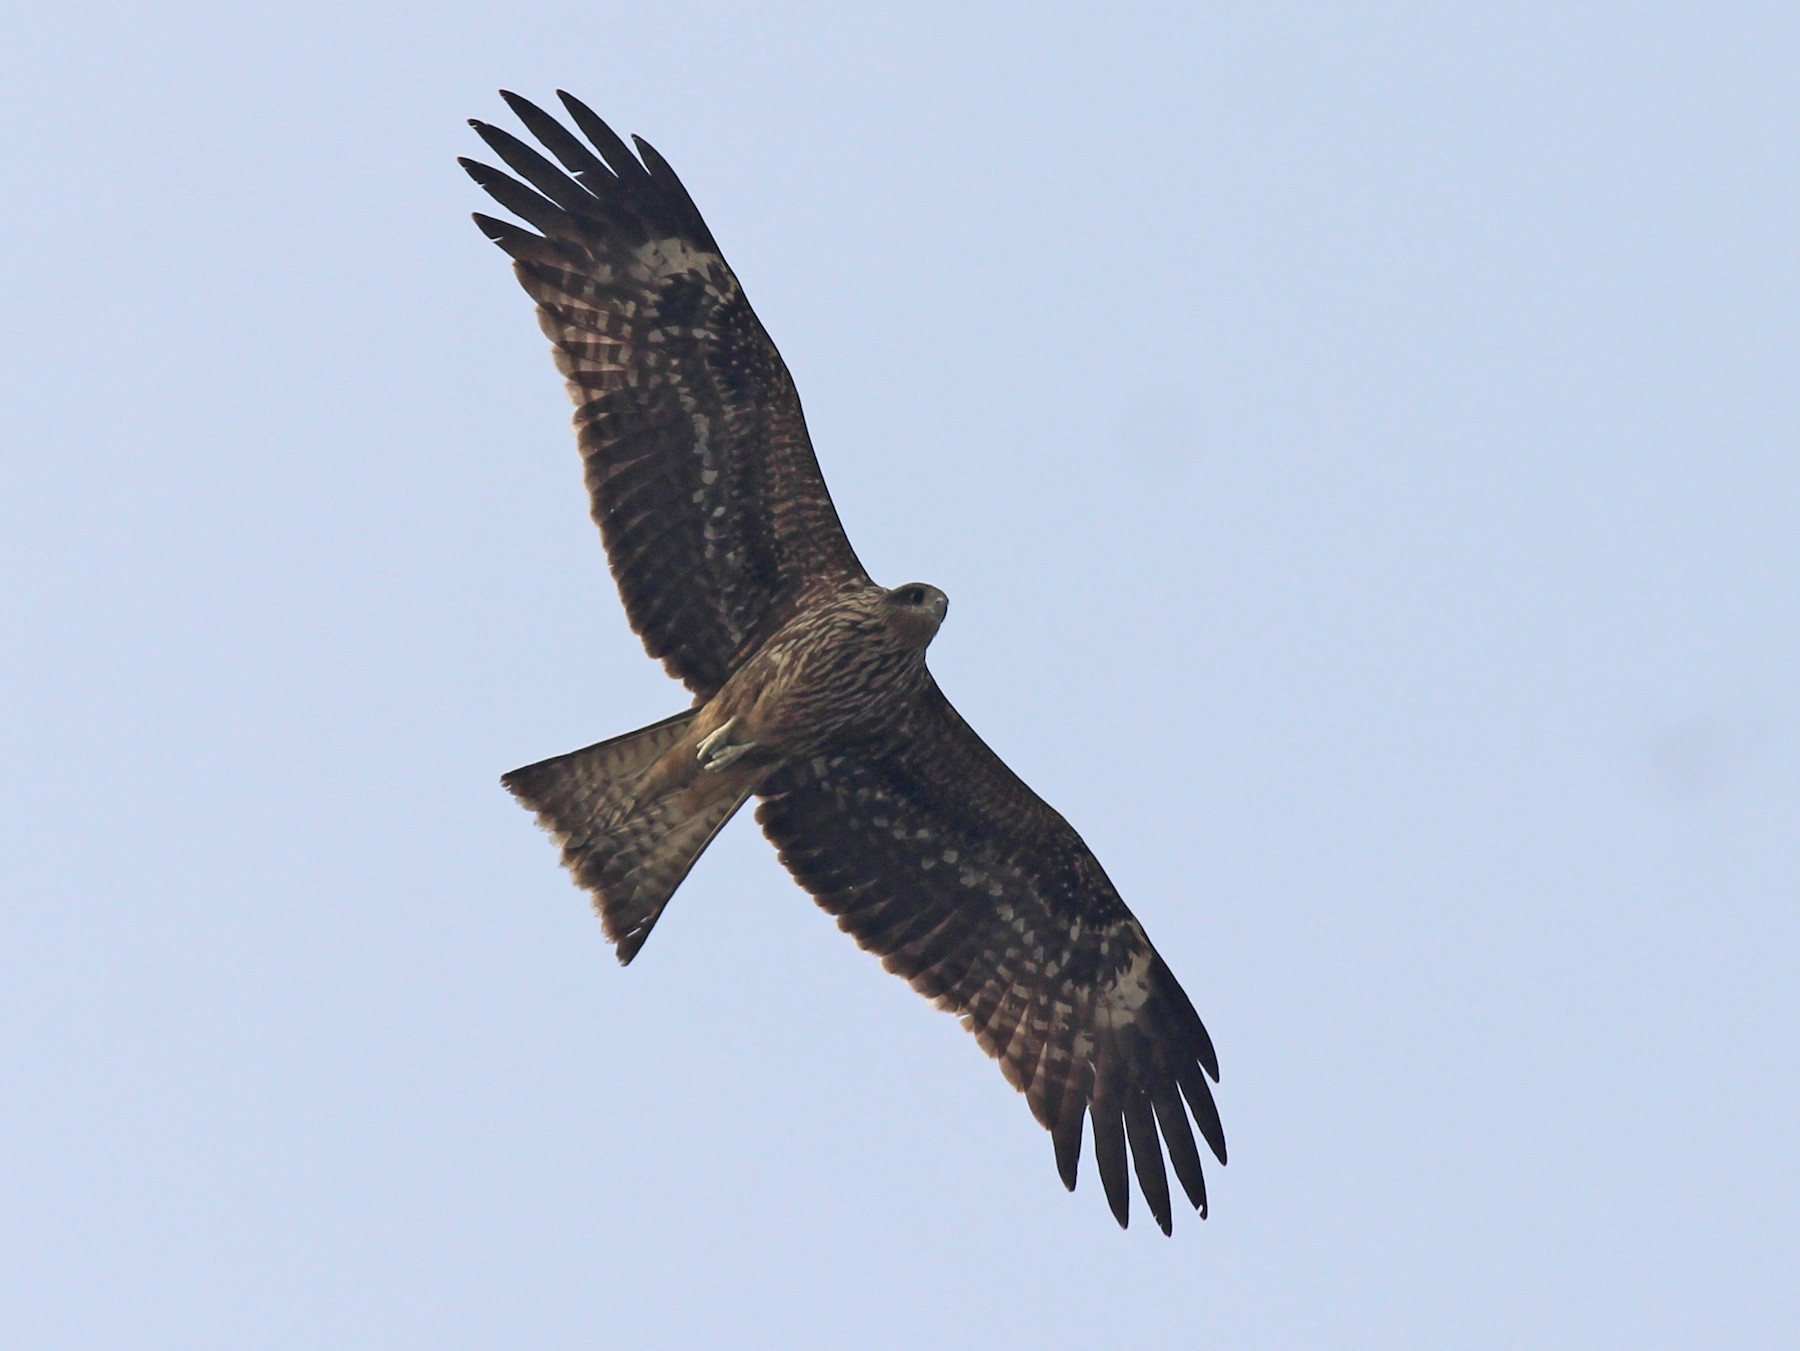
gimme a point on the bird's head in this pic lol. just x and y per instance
(914, 612)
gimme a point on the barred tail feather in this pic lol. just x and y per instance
(630, 854)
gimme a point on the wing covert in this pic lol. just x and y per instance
(703, 481)
(936, 857)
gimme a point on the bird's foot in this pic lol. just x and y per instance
(715, 753)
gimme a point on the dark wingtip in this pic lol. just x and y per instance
(1192, 1079)
(523, 108)
(604, 139)
(1109, 1157)
(485, 175)
(491, 230)
(577, 109)
(1147, 1157)
(1067, 1140)
(1172, 1120)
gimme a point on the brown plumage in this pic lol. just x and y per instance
(810, 685)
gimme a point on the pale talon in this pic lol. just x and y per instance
(703, 751)
(714, 756)
(727, 756)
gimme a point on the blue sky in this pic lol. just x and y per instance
(1359, 445)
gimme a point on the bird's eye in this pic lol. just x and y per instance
(915, 596)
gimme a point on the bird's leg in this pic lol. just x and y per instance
(715, 753)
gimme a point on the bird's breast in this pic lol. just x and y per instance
(827, 678)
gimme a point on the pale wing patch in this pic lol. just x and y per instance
(1125, 994)
(674, 257)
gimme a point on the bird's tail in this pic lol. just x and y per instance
(629, 849)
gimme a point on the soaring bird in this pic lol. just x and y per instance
(809, 684)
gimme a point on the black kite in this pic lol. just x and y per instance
(809, 682)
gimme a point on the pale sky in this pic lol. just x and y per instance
(1359, 444)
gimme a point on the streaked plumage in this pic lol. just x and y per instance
(809, 682)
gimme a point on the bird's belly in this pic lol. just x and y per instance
(837, 692)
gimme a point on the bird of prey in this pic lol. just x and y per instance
(810, 690)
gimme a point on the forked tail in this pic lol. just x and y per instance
(630, 853)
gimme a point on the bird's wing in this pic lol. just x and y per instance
(704, 485)
(936, 857)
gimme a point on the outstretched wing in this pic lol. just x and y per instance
(937, 857)
(704, 485)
